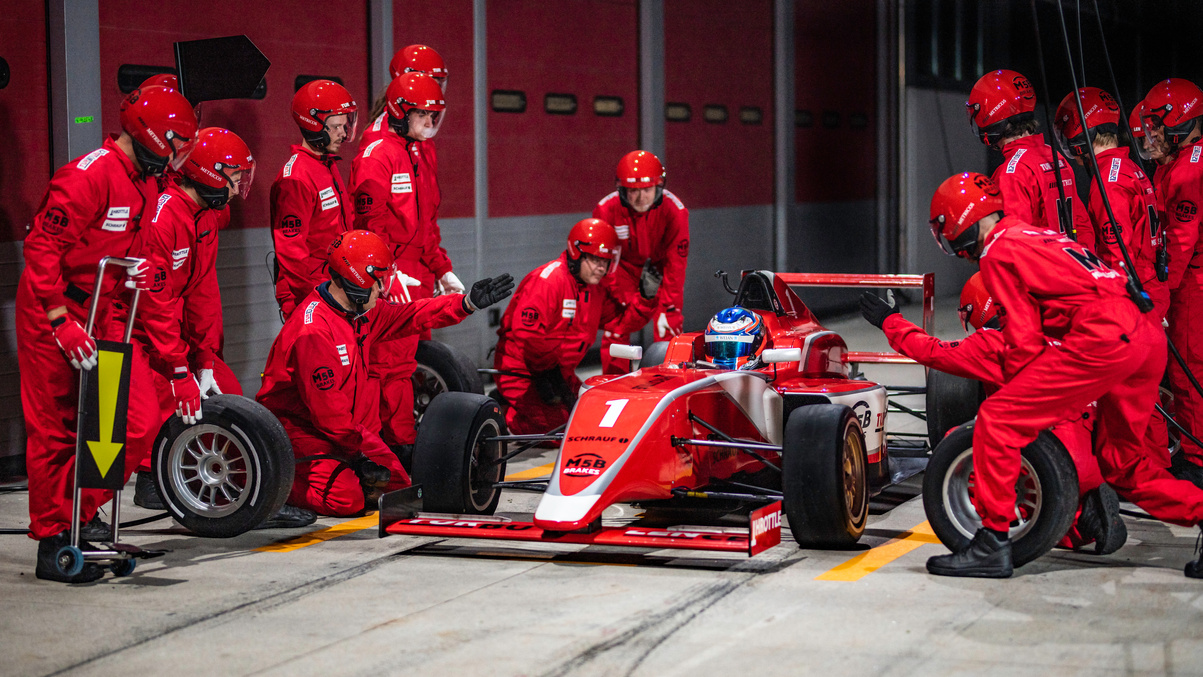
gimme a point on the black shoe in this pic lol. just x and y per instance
(146, 493)
(289, 517)
(1100, 520)
(48, 552)
(96, 530)
(986, 556)
(1183, 468)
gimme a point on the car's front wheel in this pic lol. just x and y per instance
(823, 463)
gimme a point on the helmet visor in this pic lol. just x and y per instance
(729, 346)
(342, 127)
(240, 178)
(180, 148)
(963, 243)
(423, 124)
(964, 312)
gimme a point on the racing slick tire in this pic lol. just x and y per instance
(1048, 500)
(654, 355)
(441, 369)
(226, 474)
(950, 401)
(456, 468)
(823, 476)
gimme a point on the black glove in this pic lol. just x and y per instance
(550, 385)
(876, 309)
(372, 475)
(649, 280)
(488, 291)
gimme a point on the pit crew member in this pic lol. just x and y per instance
(1002, 113)
(553, 319)
(316, 377)
(93, 208)
(652, 225)
(309, 204)
(1109, 352)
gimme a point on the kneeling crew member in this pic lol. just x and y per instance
(554, 319)
(316, 377)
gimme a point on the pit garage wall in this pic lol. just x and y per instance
(544, 171)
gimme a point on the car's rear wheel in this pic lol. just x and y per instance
(441, 369)
(950, 401)
(227, 473)
(1046, 495)
(454, 461)
(823, 480)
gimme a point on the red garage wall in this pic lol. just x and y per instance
(306, 38)
(24, 116)
(719, 164)
(446, 25)
(541, 163)
(835, 74)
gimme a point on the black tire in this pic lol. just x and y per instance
(654, 355)
(1048, 478)
(248, 451)
(441, 369)
(950, 401)
(454, 467)
(823, 478)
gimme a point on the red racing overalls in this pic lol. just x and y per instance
(1029, 187)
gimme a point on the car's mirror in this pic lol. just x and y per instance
(780, 355)
(624, 352)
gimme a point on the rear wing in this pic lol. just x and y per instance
(926, 282)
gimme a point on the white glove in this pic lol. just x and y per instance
(450, 284)
(208, 385)
(399, 291)
(136, 276)
(663, 328)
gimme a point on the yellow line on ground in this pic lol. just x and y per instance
(531, 473)
(867, 562)
(323, 535)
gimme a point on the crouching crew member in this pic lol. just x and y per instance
(554, 319)
(316, 377)
(652, 226)
(1109, 352)
(93, 208)
(309, 205)
(978, 356)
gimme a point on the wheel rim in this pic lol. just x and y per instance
(210, 471)
(427, 383)
(855, 496)
(483, 470)
(958, 497)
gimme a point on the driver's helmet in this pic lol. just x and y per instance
(734, 337)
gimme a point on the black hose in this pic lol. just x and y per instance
(1064, 209)
(123, 525)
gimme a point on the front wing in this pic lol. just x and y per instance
(400, 514)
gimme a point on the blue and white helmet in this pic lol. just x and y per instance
(734, 336)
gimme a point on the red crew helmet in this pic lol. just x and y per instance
(359, 260)
(219, 161)
(1170, 109)
(162, 124)
(999, 99)
(957, 206)
(640, 169)
(410, 92)
(1102, 115)
(978, 309)
(315, 103)
(596, 238)
(419, 59)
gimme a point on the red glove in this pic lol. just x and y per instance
(74, 342)
(186, 392)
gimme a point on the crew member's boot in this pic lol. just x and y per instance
(988, 555)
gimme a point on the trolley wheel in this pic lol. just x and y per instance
(123, 567)
(69, 560)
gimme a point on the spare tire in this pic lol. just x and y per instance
(226, 474)
(441, 369)
(950, 401)
(1046, 505)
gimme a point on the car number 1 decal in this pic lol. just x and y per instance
(615, 408)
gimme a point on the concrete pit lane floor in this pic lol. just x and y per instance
(333, 599)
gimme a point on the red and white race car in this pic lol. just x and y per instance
(802, 433)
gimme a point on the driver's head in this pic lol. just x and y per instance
(362, 266)
(978, 309)
(592, 250)
(734, 336)
(640, 179)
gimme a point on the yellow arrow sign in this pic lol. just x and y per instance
(108, 381)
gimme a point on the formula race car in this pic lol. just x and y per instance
(801, 432)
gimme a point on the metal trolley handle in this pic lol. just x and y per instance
(133, 306)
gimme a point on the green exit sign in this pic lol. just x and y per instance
(84, 119)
